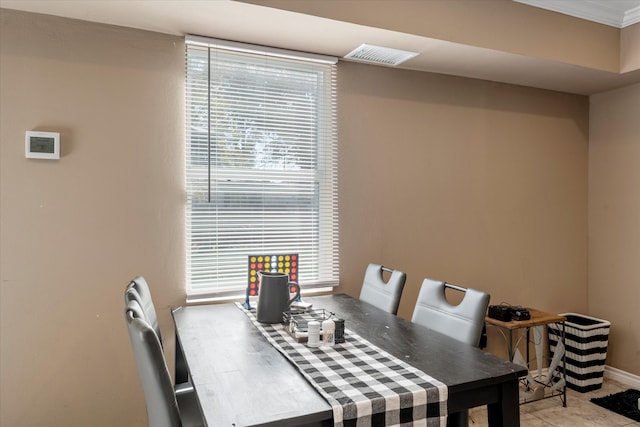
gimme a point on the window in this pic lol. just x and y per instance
(261, 164)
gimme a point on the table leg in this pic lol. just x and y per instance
(458, 419)
(528, 333)
(506, 412)
(181, 373)
(510, 350)
(564, 367)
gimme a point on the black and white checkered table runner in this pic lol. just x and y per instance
(365, 385)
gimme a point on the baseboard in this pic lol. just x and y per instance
(622, 376)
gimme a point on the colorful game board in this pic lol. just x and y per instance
(283, 263)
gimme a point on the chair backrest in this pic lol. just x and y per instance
(463, 322)
(139, 291)
(384, 295)
(162, 407)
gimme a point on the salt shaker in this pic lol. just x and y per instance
(314, 334)
(328, 331)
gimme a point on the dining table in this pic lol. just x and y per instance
(241, 379)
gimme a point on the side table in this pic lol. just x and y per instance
(538, 318)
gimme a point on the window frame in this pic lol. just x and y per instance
(324, 177)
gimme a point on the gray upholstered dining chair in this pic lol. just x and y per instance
(384, 295)
(165, 407)
(138, 290)
(463, 321)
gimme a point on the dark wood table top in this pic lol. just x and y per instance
(242, 380)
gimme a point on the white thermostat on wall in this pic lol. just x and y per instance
(42, 145)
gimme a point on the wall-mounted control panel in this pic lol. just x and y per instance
(42, 145)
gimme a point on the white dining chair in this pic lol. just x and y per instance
(165, 407)
(138, 290)
(383, 294)
(463, 321)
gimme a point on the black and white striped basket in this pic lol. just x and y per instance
(587, 339)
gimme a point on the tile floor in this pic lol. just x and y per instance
(580, 412)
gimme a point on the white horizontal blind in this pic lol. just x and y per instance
(261, 167)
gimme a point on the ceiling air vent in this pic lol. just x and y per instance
(380, 55)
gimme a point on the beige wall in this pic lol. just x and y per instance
(614, 221)
(74, 231)
(478, 183)
(630, 48)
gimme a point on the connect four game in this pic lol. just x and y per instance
(283, 263)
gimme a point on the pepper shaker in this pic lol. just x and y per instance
(339, 334)
(328, 331)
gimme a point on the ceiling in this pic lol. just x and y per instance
(256, 23)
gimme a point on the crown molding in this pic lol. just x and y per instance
(631, 16)
(615, 13)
